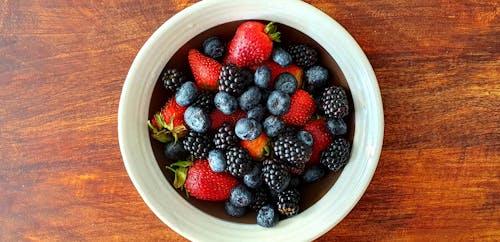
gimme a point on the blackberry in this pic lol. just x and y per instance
(198, 144)
(205, 101)
(225, 137)
(260, 198)
(238, 161)
(336, 155)
(288, 202)
(333, 102)
(275, 174)
(173, 79)
(303, 55)
(231, 80)
(290, 149)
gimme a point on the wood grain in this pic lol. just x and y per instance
(62, 66)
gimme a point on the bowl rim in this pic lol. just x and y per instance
(133, 134)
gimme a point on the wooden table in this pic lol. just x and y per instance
(63, 63)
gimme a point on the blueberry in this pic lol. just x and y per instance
(337, 126)
(313, 173)
(273, 126)
(186, 94)
(174, 151)
(248, 129)
(286, 83)
(278, 103)
(280, 56)
(305, 137)
(262, 77)
(217, 160)
(214, 47)
(241, 196)
(316, 77)
(257, 113)
(253, 179)
(234, 210)
(225, 102)
(197, 120)
(267, 216)
(250, 98)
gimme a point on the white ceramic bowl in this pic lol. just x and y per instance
(136, 148)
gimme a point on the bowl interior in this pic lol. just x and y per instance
(311, 193)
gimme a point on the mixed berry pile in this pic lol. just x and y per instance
(252, 123)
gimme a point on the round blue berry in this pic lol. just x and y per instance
(253, 179)
(248, 129)
(316, 77)
(273, 126)
(186, 94)
(217, 160)
(174, 151)
(278, 103)
(305, 137)
(286, 83)
(214, 47)
(337, 126)
(257, 113)
(262, 77)
(313, 173)
(280, 56)
(267, 216)
(250, 98)
(234, 211)
(197, 119)
(225, 102)
(240, 196)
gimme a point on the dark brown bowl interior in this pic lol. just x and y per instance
(310, 193)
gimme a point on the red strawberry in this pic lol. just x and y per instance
(302, 107)
(205, 70)
(276, 70)
(173, 112)
(169, 123)
(321, 139)
(257, 148)
(252, 44)
(201, 182)
(218, 118)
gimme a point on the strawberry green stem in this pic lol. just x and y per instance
(180, 169)
(272, 31)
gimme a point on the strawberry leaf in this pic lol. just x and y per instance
(182, 164)
(160, 121)
(161, 135)
(152, 127)
(267, 151)
(272, 31)
(180, 177)
(180, 169)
